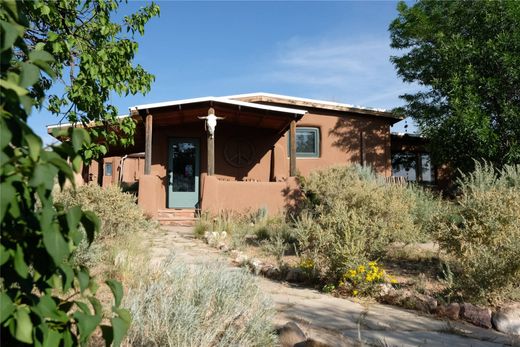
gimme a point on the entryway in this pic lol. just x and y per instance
(183, 173)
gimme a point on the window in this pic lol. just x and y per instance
(307, 142)
(108, 169)
(407, 164)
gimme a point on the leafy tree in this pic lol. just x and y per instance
(465, 55)
(44, 300)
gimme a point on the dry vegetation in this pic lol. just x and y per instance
(172, 304)
(467, 249)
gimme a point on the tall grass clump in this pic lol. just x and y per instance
(119, 215)
(483, 234)
(205, 305)
(351, 216)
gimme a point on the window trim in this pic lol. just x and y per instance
(317, 152)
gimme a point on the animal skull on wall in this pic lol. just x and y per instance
(211, 122)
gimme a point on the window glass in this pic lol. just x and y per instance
(307, 142)
(108, 169)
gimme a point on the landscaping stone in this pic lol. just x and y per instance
(295, 275)
(291, 334)
(424, 303)
(311, 343)
(507, 320)
(450, 311)
(476, 315)
(256, 266)
(242, 259)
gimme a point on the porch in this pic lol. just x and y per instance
(241, 164)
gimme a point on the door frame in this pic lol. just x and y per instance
(197, 170)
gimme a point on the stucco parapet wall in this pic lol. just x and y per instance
(276, 197)
(147, 194)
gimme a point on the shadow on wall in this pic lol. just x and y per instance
(364, 142)
(294, 198)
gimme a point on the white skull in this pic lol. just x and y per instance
(211, 122)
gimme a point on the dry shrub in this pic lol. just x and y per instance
(203, 305)
(352, 216)
(119, 215)
(483, 234)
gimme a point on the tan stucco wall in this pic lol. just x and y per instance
(340, 143)
(276, 197)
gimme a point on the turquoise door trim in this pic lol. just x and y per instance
(183, 172)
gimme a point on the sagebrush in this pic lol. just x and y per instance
(483, 233)
(118, 212)
(351, 216)
(206, 305)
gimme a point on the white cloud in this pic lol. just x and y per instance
(357, 72)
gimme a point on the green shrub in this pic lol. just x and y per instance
(483, 233)
(351, 216)
(207, 305)
(119, 215)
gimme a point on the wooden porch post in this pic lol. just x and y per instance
(292, 149)
(211, 149)
(148, 145)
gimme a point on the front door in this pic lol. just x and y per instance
(184, 172)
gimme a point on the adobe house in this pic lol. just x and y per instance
(240, 152)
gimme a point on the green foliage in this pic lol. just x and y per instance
(119, 216)
(351, 217)
(207, 305)
(465, 55)
(93, 57)
(44, 300)
(483, 233)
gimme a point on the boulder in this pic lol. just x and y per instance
(291, 334)
(424, 303)
(476, 315)
(507, 320)
(450, 311)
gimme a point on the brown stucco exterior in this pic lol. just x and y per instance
(346, 137)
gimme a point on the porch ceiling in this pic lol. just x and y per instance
(235, 112)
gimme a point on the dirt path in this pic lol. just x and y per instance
(335, 321)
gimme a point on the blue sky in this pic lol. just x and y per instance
(336, 51)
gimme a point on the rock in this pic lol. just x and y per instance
(222, 246)
(450, 311)
(424, 303)
(311, 343)
(399, 297)
(241, 259)
(507, 320)
(234, 254)
(476, 315)
(385, 289)
(295, 275)
(256, 266)
(291, 334)
(272, 272)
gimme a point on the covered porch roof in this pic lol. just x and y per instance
(234, 111)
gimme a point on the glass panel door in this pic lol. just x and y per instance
(183, 173)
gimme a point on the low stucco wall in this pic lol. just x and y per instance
(148, 185)
(276, 197)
